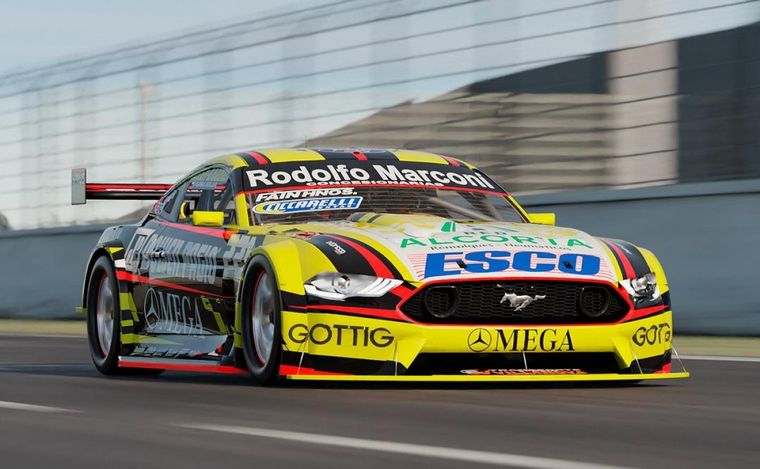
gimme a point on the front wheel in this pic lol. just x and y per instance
(261, 321)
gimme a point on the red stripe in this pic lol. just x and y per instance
(629, 272)
(292, 370)
(127, 277)
(190, 367)
(360, 156)
(258, 157)
(451, 161)
(381, 270)
(665, 369)
(644, 312)
(387, 186)
(402, 291)
(391, 314)
(103, 187)
(215, 232)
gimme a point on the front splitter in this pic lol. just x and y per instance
(492, 378)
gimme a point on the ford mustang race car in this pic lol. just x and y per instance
(364, 264)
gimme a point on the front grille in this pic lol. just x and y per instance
(481, 303)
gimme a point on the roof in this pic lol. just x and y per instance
(290, 155)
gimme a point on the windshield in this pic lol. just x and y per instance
(318, 191)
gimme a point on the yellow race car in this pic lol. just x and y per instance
(365, 264)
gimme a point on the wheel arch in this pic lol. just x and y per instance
(94, 256)
(284, 260)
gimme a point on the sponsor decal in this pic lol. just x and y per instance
(522, 371)
(171, 313)
(520, 340)
(132, 257)
(308, 205)
(341, 334)
(204, 186)
(363, 173)
(304, 194)
(339, 250)
(179, 258)
(476, 239)
(482, 262)
(479, 340)
(239, 247)
(656, 334)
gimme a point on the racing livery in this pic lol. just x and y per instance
(365, 264)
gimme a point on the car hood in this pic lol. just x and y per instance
(422, 248)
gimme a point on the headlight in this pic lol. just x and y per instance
(642, 288)
(339, 286)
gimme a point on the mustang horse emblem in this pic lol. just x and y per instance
(519, 302)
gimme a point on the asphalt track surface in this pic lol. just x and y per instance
(57, 411)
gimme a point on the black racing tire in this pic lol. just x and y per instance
(104, 316)
(261, 321)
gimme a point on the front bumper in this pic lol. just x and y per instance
(332, 346)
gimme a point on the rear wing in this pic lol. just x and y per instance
(82, 191)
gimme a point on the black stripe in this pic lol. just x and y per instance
(348, 153)
(251, 160)
(374, 217)
(635, 257)
(126, 315)
(292, 299)
(666, 299)
(383, 259)
(248, 159)
(614, 255)
(348, 262)
(651, 364)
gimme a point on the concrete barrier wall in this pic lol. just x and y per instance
(706, 235)
(41, 271)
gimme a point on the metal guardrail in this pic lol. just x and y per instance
(495, 85)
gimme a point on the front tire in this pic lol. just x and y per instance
(103, 317)
(261, 321)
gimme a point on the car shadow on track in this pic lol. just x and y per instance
(86, 370)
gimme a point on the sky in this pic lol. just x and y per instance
(38, 32)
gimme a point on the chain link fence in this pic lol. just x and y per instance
(544, 96)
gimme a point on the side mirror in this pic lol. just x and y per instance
(201, 218)
(542, 218)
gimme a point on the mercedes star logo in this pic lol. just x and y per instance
(479, 340)
(150, 307)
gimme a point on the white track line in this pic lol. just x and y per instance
(32, 407)
(439, 452)
(719, 358)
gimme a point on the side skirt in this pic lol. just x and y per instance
(173, 364)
